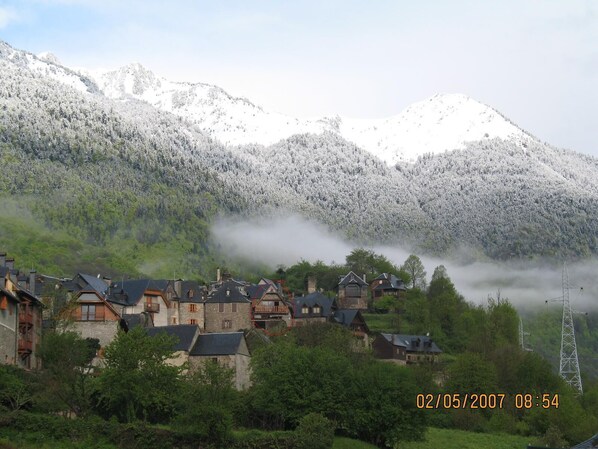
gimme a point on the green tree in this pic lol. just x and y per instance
(471, 373)
(137, 382)
(315, 432)
(383, 406)
(415, 269)
(67, 371)
(15, 391)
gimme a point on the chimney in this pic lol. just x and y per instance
(218, 274)
(107, 280)
(32, 282)
(2, 259)
(364, 280)
(10, 263)
(178, 287)
(311, 284)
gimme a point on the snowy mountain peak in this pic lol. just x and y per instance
(440, 123)
(49, 57)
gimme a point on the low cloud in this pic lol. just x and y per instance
(527, 284)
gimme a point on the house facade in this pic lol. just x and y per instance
(9, 320)
(313, 308)
(95, 317)
(352, 292)
(227, 349)
(227, 308)
(269, 308)
(387, 284)
(406, 349)
(133, 297)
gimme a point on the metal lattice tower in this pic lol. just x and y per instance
(569, 369)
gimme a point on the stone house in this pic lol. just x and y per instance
(186, 335)
(313, 308)
(227, 349)
(227, 308)
(406, 349)
(187, 303)
(352, 292)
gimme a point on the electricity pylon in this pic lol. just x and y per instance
(569, 367)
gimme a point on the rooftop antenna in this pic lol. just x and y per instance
(569, 365)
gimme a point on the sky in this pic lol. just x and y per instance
(535, 61)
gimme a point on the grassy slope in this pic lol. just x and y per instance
(459, 439)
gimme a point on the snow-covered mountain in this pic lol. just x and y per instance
(440, 123)
(499, 191)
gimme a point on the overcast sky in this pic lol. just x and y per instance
(534, 61)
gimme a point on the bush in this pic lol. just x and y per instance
(256, 439)
(315, 432)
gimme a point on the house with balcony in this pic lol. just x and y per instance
(269, 308)
(141, 296)
(16, 284)
(9, 320)
(187, 302)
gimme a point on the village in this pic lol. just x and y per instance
(210, 322)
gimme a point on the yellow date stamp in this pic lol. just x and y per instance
(523, 401)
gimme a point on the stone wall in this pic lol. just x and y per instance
(215, 320)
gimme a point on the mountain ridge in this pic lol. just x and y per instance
(501, 197)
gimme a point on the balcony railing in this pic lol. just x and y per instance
(273, 309)
(25, 346)
(151, 307)
(26, 318)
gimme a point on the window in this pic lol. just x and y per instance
(352, 290)
(192, 307)
(174, 320)
(304, 310)
(234, 307)
(227, 324)
(221, 307)
(88, 312)
(317, 310)
(192, 321)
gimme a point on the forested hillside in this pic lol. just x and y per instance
(120, 186)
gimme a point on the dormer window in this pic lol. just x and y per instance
(317, 310)
(304, 310)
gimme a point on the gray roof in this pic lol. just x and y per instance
(198, 291)
(227, 292)
(352, 278)
(131, 320)
(412, 343)
(217, 344)
(129, 293)
(185, 334)
(94, 282)
(327, 305)
(390, 282)
(345, 316)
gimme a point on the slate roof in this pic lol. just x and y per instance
(185, 334)
(198, 291)
(588, 444)
(129, 293)
(97, 284)
(412, 343)
(345, 316)
(327, 304)
(390, 282)
(256, 291)
(217, 344)
(352, 278)
(220, 294)
(132, 320)
(9, 294)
